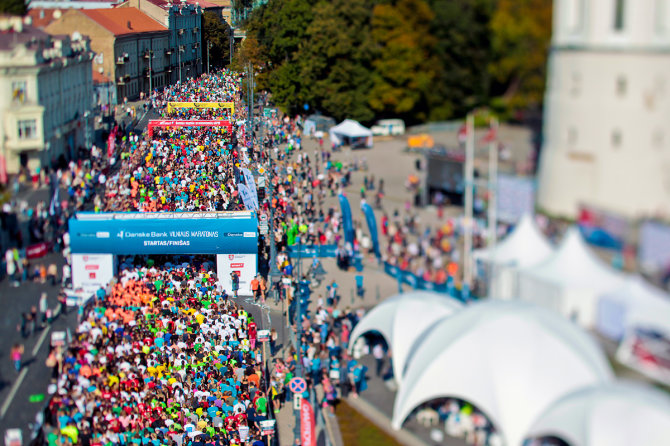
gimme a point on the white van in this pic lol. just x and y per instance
(389, 127)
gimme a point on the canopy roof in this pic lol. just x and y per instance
(510, 359)
(574, 264)
(351, 129)
(645, 304)
(524, 247)
(403, 319)
(615, 414)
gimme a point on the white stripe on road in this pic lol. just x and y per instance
(40, 340)
(12, 392)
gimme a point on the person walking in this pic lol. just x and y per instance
(378, 353)
(255, 288)
(235, 279)
(33, 319)
(43, 307)
(15, 355)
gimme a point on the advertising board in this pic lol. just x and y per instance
(92, 271)
(245, 265)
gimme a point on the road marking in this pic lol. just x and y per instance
(40, 340)
(12, 392)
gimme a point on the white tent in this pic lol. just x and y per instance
(570, 281)
(509, 359)
(637, 303)
(351, 132)
(615, 414)
(524, 247)
(402, 320)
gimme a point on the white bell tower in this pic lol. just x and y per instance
(606, 139)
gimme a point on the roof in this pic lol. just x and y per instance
(124, 21)
(511, 360)
(524, 247)
(202, 3)
(614, 414)
(9, 39)
(99, 78)
(41, 17)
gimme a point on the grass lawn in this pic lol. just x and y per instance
(358, 430)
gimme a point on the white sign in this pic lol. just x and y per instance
(92, 271)
(268, 427)
(57, 338)
(297, 400)
(244, 264)
(13, 437)
(263, 335)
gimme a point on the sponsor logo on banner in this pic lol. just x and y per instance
(231, 256)
(307, 425)
(92, 267)
(37, 250)
(237, 265)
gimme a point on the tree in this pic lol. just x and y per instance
(336, 59)
(463, 48)
(13, 7)
(521, 31)
(405, 64)
(215, 31)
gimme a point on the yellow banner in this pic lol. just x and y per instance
(173, 105)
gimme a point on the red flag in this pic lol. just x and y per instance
(307, 424)
(462, 133)
(490, 136)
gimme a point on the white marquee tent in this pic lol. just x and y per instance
(403, 319)
(615, 414)
(637, 303)
(509, 359)
(524, 247)
(570, 281)
(351, 132)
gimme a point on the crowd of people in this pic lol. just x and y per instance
(166, 358)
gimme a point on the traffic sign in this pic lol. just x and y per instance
(297, 385)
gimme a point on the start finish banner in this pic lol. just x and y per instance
(160, 235)
(173, 105)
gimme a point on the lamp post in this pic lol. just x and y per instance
(87, 136)
(180, 49)
(209, 45)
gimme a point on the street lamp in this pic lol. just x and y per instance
(179, 51)
(209, 45)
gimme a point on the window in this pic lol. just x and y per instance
(27, 129)
(619, 11)
(574, 15)
(572, 136)
(19, 91)
(657, 139)
(616, 138)
(576, 84)
(621, 85)
(660, 16)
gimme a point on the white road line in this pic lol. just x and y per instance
(12, 392)
(40, 340)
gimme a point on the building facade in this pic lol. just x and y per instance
(131, 48)
(184, 22)
(46, 89)
(607, 106)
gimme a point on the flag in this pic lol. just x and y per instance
(490, 136)
(372, 225)
(462, 133)
(347, 222)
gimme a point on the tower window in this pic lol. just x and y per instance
(616, 138)
(619, 10)
(621, 85)
(572, 136)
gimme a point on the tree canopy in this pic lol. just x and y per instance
(216, 33)
(414, 59)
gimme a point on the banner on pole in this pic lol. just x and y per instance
(372, 225)
(347, 222)
(307, 425)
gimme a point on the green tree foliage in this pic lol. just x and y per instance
(405, 66)
(14, 7)
(415, 59)
(216, 32)
(521, 32)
